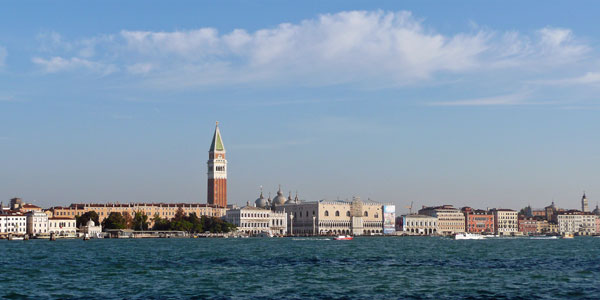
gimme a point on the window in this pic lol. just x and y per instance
(327, 213)
(366, 214)
(337, 213)
(347, 213)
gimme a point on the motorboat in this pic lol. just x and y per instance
(343, 237)
(468, 236)
(567, 235)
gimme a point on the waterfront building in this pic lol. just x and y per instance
(418, 225)
(331, 217)
(506, 222)
(163, 210)
(217, 171)
(254, 220)
(37, 223)
(62, 226)
(12, 222)
(528, 225)
(91, 229)
(577, 222)
(450, 220)
(584, 203)
(478, 221)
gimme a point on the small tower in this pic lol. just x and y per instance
(584, 203)
(217, 171)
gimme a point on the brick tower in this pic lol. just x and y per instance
(217, 171)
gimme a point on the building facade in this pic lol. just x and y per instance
(450, 220)
(163, 210)
(528, 225)
(478, 221)
(577, 222)
(326, 217)
(418, 225)
(217, 171)
(12, 222)
(506, 222)
(62, 226)
(255, 220)
(37, 223)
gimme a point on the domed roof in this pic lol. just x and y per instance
(280, 198)
(261, 202)
(597, 210)
(90, 223)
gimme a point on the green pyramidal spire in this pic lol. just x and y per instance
(217, 142)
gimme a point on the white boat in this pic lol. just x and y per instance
(343, 237)
(468, 236)
(567, 235)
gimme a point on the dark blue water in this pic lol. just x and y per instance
(373, 268)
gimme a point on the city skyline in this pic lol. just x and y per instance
(394, 102)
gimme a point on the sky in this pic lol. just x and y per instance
(477, 103)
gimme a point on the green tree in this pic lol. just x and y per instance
(115, 220)
(179, 214)
(160, 223)
(140, 221)
(83, 219)
(128, 220)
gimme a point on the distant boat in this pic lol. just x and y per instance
(468, 236)
(567, 235)
(343, 237)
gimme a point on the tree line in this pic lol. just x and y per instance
(139, 221)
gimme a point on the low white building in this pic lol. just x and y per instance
(62, 226)
(577, 222)
(37, 223)
(419, 225)
(254, 220)
(91, 229)
(12, 222)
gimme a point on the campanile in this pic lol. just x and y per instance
(217, 171)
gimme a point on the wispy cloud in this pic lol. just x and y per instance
(510, 99)
(58, 64)
(589, 78)
(368, 48)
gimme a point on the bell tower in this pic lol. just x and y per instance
(217, 171)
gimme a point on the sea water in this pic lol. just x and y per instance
(297, 268)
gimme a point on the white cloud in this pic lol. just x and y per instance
(510, 99)
(3, 55)
(589, 78)
(58, 64)
(369, 48)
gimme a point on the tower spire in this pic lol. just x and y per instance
(217, 171)
(217, 141)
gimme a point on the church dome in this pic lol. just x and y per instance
(90, 223)
(261, 202)
(280, 198)
(597, 211)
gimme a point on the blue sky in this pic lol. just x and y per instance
(487, 104)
